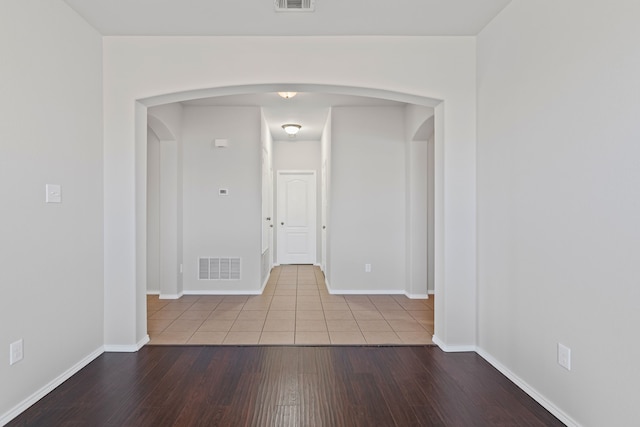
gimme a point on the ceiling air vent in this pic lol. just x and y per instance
(295, 5)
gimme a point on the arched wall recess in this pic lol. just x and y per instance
(161, 130)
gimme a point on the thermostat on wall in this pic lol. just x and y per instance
(223, 192)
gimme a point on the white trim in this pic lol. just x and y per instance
(416, 296)
(532, 392)
(127, 348)
(171, 296)
(153, 292)
(143, 341)
(264, 283)
(362, 291)
(48, 388)
(366, 291)
(432, 292)
(453, 348)
(223, 292)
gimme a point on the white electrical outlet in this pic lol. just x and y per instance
(564, 356)
(15, 352)
(367, 268)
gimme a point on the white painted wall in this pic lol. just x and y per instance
(417, 217)
(558, 202)
(431, 265)
(153, 212)
(145, 68)
(169, 264)
(51, 132)
(325, 193)
(167, 119)
(368, 205)
(300, 155)
(420, 173)
(267, 199)
(222, 226)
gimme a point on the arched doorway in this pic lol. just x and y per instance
(184, 96)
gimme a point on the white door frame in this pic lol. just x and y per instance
(324, 194)
(281, 220)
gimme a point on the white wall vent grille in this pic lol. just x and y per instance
(219, 268)
(295, 5)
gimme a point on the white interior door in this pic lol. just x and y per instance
(296, 219)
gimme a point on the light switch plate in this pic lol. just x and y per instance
(53, 193)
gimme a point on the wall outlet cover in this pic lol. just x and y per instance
(16, 351)
(564, 356)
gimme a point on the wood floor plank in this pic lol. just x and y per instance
(287, 386)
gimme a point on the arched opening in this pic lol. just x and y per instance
(140, 179)
(420, 103)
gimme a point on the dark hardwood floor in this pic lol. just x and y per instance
(287, 386)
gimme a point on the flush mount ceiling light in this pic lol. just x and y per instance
(287, 95)
(291, 129)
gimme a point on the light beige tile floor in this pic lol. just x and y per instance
(295, 308)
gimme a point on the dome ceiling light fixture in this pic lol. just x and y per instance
(291, 128)
(287, 95)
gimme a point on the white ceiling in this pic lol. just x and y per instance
(309, 110)
(258, 17)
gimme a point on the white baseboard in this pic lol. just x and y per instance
(532, 392)
(152, 292)
(264, 283)
(431, 292)
(417, 296)
(365, 291)
(26, 403)
(223, 292)
(171, 296)
(143, 341)
(126, 348)
(372, 292)
(452, 348)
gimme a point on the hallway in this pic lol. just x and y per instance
(295, 308)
